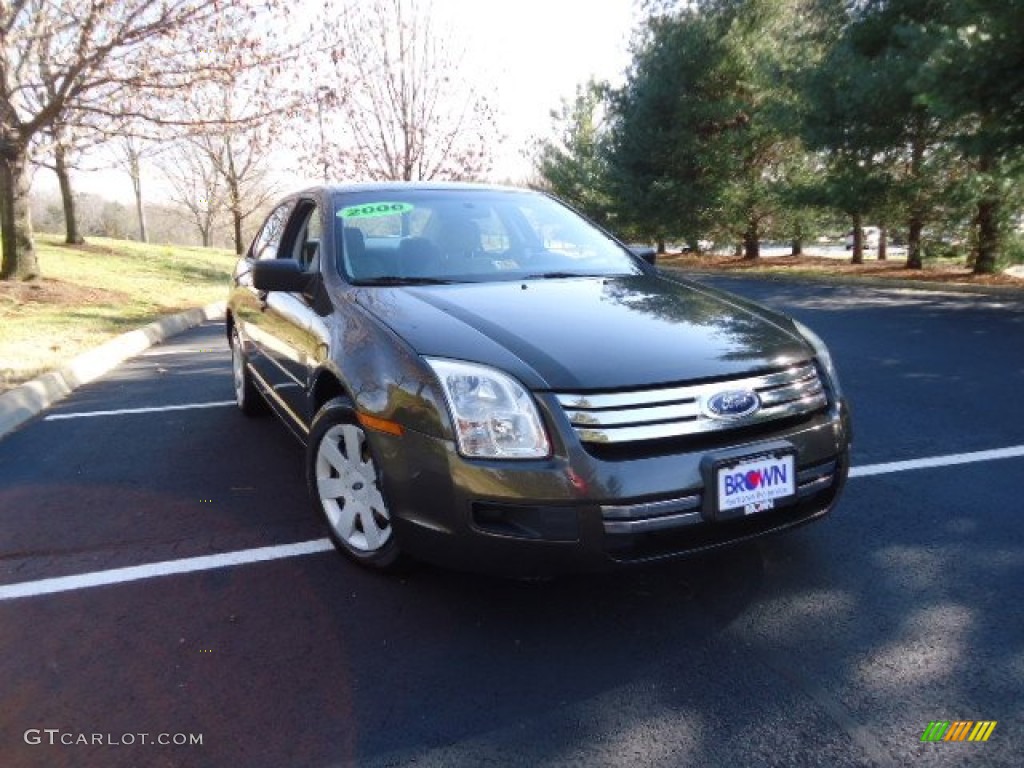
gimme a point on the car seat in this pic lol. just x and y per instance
(419, 257)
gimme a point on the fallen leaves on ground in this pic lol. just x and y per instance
(894, 269)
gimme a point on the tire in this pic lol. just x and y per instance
(345, 484)
(247, 397)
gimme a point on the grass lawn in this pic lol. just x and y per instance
(90, 293)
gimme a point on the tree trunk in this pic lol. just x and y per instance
(972, 242)
(796, 247)
(988, 235)
(661, 245)
(7, 255)
(67, 197)
(883, 242)
(752, 242)
(235, 196)
(19, 254)
(140, 213)
(858, 240)
(914, 255)
(988, 222)
(915, 226)
(136, 173)
(236, 217)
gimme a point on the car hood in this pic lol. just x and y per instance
(589, 333)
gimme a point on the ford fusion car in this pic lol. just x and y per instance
(483, 379)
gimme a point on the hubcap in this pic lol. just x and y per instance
(346, 481)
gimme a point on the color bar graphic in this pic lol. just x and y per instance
(982, 730)
(958, 730)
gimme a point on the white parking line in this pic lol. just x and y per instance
(1013, 451)
(122, 411)
(166, 568)
(313, 546)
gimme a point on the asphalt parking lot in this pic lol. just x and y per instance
(163, 578)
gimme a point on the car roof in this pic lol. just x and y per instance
(386, 186)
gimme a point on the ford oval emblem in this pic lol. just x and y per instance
(732, 404)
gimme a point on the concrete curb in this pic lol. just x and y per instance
(867, 282)
(23, 403)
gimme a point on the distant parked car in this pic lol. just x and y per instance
(870, 237)
(482, 378)
(702, 246)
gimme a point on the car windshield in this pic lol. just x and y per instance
(400, 236)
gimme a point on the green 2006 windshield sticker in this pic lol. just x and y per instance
(369, 210)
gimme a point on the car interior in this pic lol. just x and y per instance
(460, 242)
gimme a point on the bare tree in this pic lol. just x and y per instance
(60, 148)
(239, 144)
(241, 161)
(196, 186)
(71, 63)
(400, 109)
(130, 150)
(58, 151)
(234, 124)
(61, 145)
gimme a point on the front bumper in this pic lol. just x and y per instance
(584, 512)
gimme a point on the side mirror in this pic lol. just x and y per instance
(280, 275)
(645, 252)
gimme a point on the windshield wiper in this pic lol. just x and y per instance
(395, 280)
(556, 275)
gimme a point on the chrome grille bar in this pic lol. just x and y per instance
(621, 417)
(652, 516)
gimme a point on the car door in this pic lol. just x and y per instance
(249, 304)
(288, 334)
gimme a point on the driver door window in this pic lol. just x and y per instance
(306, 249)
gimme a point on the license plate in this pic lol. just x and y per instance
(753, 484)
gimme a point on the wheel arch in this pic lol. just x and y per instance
(327, 386)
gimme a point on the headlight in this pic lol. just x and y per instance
(494, 416)
(823, 355)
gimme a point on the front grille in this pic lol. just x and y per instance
(646, 517)
(652, 531)
(668, 412)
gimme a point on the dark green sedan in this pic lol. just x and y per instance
(483, 379)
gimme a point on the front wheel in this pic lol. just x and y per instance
(345, 483)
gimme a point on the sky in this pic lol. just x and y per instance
(532, 53)
(526, 55)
